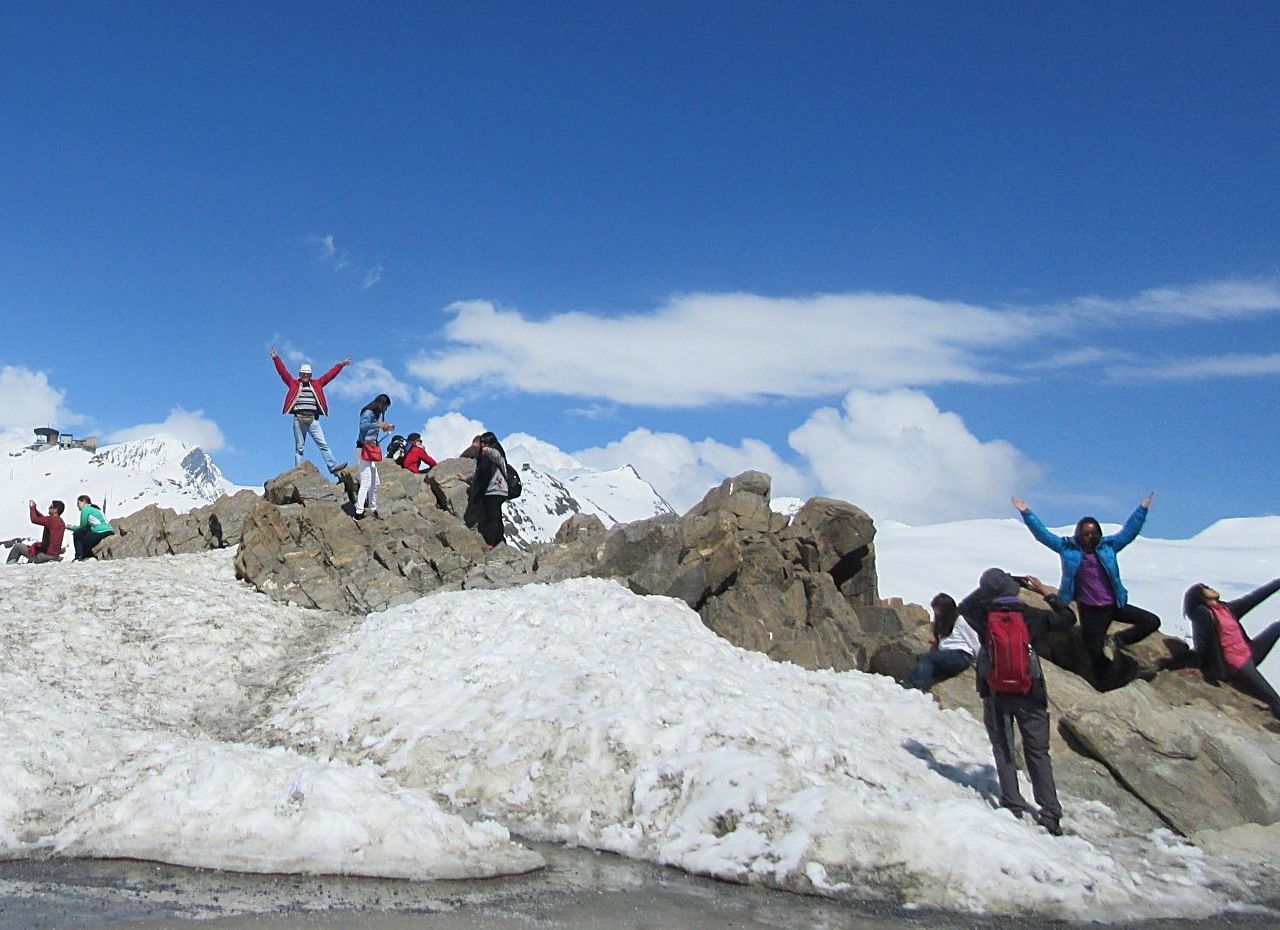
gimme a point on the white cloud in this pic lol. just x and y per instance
(1238, 365)
(28, 400)
(897, 456)
(704, 348)
(372, 276)
(448, 434)
(682, 470)
(341, 260)
(365, 379)
(191, 427)
(699, 349)
(1211, 300)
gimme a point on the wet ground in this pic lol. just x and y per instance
(578, 889)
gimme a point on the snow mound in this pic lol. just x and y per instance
(582, 713)
(130, 698)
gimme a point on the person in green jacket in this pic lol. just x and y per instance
(92, 530)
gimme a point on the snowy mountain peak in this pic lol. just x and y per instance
(124, 477)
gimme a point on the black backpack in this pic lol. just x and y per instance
(514, 487)
(396, 449)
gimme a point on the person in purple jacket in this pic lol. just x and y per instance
(1091, 578)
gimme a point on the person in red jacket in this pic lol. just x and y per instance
(305, 401)
(49, 549)
(417, 455)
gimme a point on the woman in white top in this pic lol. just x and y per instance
(956, 646)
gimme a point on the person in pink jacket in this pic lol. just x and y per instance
(305, 402)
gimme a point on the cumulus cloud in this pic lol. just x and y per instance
(705, 348)
(448, 434)
(28, 400)
(190, 427)
(896, 455)
(682, 470)
(364, 379)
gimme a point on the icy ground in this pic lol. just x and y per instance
(158, 709)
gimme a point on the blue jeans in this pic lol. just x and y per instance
(937, 665)
(300, 435)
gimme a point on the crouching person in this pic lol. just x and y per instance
(955, 646)
(49, 548)
(1011, 684)
(92, 530)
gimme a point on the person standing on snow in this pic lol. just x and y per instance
(1000, 618)
(1091, 577)
(306, 402)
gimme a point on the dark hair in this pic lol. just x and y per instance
(414, 437)
(85, 498)
(57, 507)
(1193, 598)
(1080, 524)
(378, 405)
(489, 439)
(945, 614)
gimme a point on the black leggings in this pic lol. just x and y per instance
(1250, 680)
(85, 540)
(490, 524)
(1094, 622)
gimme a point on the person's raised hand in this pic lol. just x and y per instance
(274, 353)
(1146, 501)
(1019, 503)
(345, 362)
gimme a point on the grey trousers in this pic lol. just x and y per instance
(999, 714)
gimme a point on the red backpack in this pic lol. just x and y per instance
(1010, 668)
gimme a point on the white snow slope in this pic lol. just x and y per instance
(159, 709)
(126, 477)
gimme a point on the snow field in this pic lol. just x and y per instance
(582, 713)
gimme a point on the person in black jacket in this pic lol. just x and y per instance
(1223, 650)
(998, 590)
(488, 488)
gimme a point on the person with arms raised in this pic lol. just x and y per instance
(1091, 577)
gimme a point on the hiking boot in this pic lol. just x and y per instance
(1051, 825)
(375, 514)
(337, 468)
(359, 516)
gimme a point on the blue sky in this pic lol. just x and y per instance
(920, 258)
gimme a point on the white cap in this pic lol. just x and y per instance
(305, 369)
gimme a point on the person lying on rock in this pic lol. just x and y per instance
(49, 548)
(1011, 685)
(955, 646)
(1091, 577)
(1223, 650)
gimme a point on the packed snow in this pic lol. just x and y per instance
(131, 690)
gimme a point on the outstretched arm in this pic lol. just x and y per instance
(1133, 526)
(332, 372)
(1242, 605)
(1037, 528)
(280, 369)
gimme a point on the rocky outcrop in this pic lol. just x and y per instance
(155, 530)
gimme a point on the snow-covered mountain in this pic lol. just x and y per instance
(556, 488)
(124, 478)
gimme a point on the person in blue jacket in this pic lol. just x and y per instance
(1091, 578)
